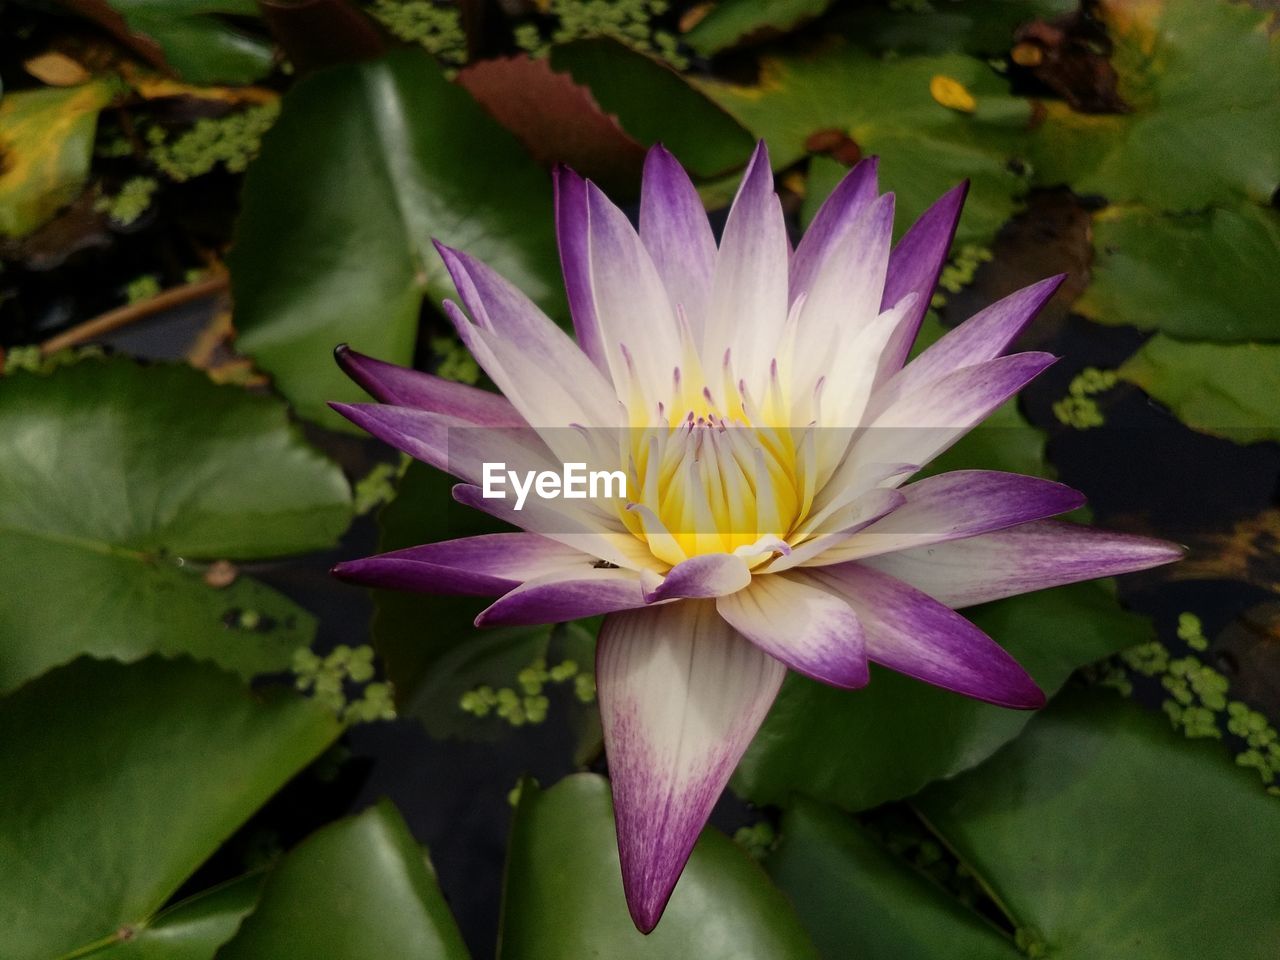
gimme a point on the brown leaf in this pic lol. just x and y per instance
(1051, 236)
(558, 120)
(835, 143)
(1248, 552)
(101, 13)
(79, 227)
(1065, 55)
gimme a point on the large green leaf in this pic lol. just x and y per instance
(1105, 834)
(1228, 390)
(898, 734)
(113, 478)
(848, 889)
(1203, 80)
(654, 103)
(117, 781)
(360, 889)
(563, 897)
(46, 143)
(365, 166)
(732, 21)
(192, 929)
(1208, 276)
(199, 44)
(888, 107)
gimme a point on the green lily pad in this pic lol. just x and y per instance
(655, 103)
(894, 107)
(394, 156)
(1206, 276)
(197, 42)
(1203, 80)
(1228, 390)
(360, 889)
(901, 734)
(848, 889)
(983, 27)
(563, 898)
(1103, 833)
(732, 21)
(191, 930)
(117, 782)
(116, 481)
(46, 143)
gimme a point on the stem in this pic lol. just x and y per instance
(108, 941)
(132, 312)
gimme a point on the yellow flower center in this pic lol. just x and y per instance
(714, 481)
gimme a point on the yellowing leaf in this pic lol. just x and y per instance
(155, 86)
(46, 139)
(1203, 80)
(56, 69)
(952, 93)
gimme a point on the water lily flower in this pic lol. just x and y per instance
(759, 401)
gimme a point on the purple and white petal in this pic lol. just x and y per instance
(953, 506)
(566, 594)
(675, 230)
(925, 423)
(567, 523)
(681, 695)
(808, 629)
(481, 566)
(843, 300)
(837, 215)
(915, 266)
(709, 575)
(450, 444)
(637, 322)
(547, 405)
(1034, 556)
(984, 336)
(912, 633)
(749, 294)
(499, 308)
(404, 387)
(841, 522)
(575, 261)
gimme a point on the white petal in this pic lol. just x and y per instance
(681, 696)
